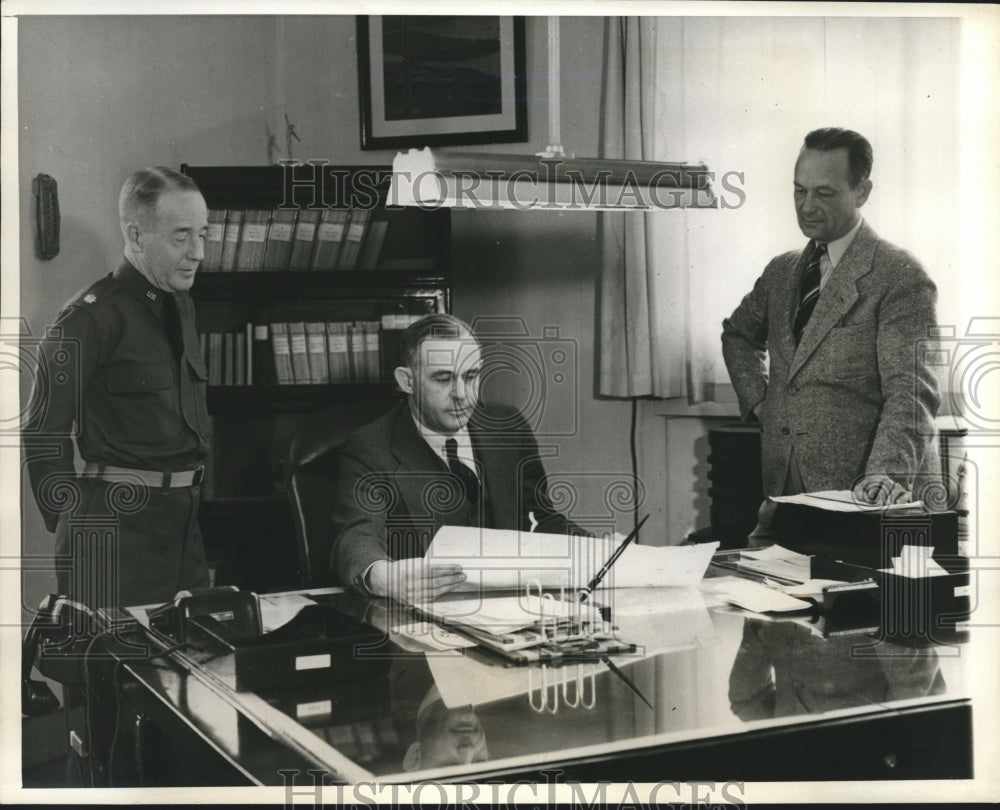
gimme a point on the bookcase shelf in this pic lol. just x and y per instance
(399, 269)
(246, 399)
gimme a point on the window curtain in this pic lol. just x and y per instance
(739, 94)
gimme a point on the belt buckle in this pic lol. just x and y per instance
(199, 474)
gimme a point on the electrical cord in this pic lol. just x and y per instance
(635, 465)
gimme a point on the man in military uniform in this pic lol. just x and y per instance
(122, 372)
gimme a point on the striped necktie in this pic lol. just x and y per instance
(808, 292)
(470, 481)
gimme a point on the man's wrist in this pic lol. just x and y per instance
(375, 578)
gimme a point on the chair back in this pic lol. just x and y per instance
(313, 472)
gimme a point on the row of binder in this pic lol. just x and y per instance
(306, 352)
(293, 239)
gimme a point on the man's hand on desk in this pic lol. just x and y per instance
(413, 580)
(880, 490)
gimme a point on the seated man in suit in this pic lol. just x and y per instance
(440, 458)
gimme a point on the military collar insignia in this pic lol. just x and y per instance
(90, 298)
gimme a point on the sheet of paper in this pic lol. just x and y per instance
(774, 552)
(276, 611)
(430, 636)
(494, 558)
(777, 561)
(811, 587)
(915, 562)
(840, 501)
(758, 598)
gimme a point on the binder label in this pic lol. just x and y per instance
(305, 231)
(281, 231)
(331, 231)
(254, 232)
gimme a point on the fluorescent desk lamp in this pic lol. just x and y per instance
(432, 179)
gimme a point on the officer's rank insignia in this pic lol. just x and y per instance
(89, 298)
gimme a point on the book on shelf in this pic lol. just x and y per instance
(248, 354)
(329, 237)
(300, 352)
(278, 248)
(239, 358)
(353, 239)
(228, 363)
(319, 368)
(215, 358)
(303, 239)
(213, 239)
(393, 325)
(372, 249)
(203, 345)
(231, 239)
(250, 252)
(337, 352)
(281, 348)
(372, 353)
(262, 356)
(358, 358)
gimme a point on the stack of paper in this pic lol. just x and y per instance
(777, 561)
(754, 596)
(841, 501)
(494, 558)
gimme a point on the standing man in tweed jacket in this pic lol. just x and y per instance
(844, 401)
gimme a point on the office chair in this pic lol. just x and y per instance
(313, 467)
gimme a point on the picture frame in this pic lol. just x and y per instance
(441, 80)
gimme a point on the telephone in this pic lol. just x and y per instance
(56, 638)
(47, 216)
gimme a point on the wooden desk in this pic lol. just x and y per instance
(734, 697)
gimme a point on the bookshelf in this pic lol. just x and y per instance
(369, 270)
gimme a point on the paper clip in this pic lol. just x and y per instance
(580, 690)
(544, 703)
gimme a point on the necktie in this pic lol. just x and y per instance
(172, 320)
(808, 292)
(470, 482)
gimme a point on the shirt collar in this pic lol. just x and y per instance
(137, 284)
(836, 249)
(436, 440)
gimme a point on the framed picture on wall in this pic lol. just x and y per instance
(441, 80)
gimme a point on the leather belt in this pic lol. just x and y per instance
(151, 478)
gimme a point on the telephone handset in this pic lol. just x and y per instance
(47, 216)
(56, 635)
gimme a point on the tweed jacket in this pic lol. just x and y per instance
(855, 396)
(394, 492)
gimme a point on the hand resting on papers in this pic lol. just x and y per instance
(413, 580)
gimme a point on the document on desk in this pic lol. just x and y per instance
(497, 558)
(277, 610)
(776, 561)
(841, 501)
(756, 597)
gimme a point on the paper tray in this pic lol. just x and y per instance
(319, 645)
(908, 606)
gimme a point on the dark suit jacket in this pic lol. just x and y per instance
(855, 396)
(394, 492)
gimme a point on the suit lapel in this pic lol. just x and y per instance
(838, 296)
(414, 456)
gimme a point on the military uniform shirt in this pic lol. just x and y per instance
(109, 368)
